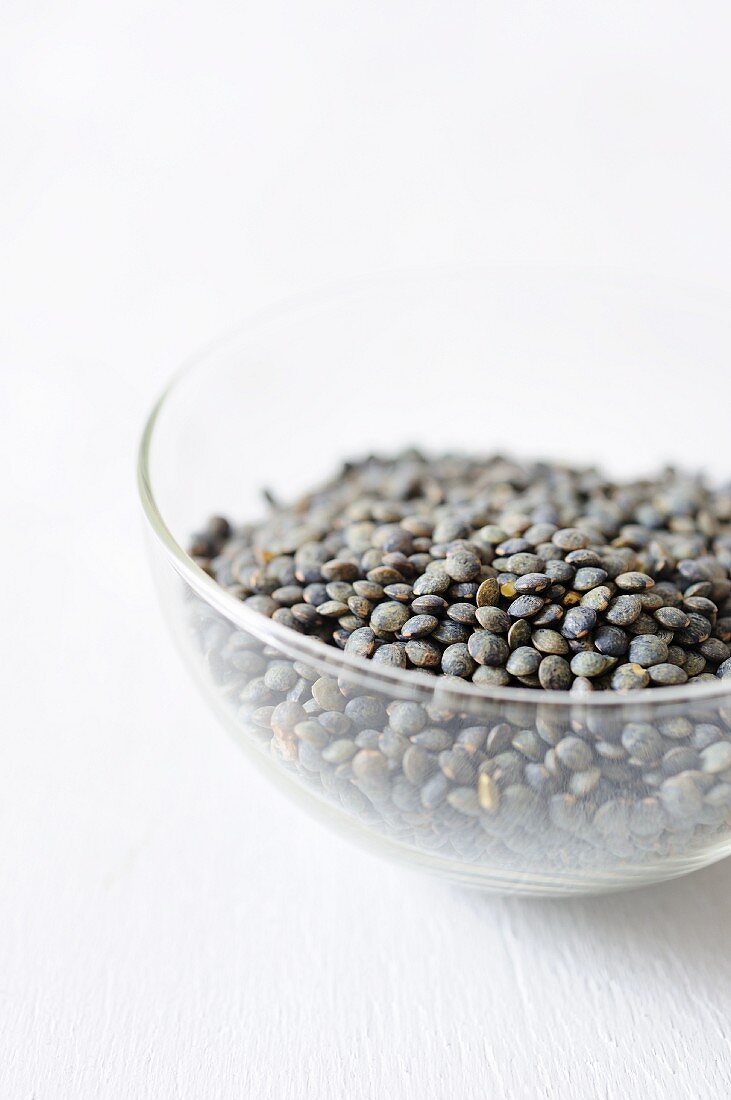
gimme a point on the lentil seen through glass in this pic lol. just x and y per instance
(499, 573)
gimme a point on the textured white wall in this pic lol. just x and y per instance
(170, 927)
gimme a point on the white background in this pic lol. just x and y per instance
(168, 926)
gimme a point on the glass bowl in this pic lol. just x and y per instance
(538, 362)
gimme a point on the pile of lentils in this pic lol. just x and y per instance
(496, 572)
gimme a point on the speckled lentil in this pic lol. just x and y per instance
(615, 573)
(505, 575)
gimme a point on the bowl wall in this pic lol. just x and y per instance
(464, 782)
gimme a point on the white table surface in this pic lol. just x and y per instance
(169, 926)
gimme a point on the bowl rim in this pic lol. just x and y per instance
(305, 647)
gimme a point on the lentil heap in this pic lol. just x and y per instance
(496, 572)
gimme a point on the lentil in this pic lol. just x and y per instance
(498, 574)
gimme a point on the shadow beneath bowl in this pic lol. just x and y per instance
(682, 925)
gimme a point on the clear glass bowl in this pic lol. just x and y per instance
(468, 361)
